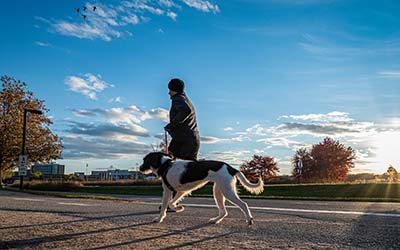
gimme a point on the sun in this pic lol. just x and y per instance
(387, 145)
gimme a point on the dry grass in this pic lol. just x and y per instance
(123, 183)
(52, 185)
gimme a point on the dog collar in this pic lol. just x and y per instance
(163, 171)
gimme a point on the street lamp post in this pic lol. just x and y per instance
(23, 150)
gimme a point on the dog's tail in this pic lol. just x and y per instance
(254, 188)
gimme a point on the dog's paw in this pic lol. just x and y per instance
(215, 220)
(179, 208)
(157, 220)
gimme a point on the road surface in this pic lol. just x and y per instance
(40, 222)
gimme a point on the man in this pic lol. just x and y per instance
(182, 127)
(185, 141)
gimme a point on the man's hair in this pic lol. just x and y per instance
(176, 85)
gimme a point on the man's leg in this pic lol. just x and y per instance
(190, 151)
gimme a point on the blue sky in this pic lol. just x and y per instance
(266, 77)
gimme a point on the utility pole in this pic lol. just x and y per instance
(87, 165)
(23, 159)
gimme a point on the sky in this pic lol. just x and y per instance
(266, 77)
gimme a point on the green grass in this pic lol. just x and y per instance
(350, 192)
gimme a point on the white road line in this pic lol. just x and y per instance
(293, 210)
(26, 199)
(76, 204)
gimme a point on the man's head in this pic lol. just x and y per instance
(175, 86)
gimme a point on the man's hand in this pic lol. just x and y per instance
(168, 128)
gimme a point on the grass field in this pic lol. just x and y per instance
(353, 192)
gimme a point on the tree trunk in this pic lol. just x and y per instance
(1, 170)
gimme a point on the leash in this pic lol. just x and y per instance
(166, 142)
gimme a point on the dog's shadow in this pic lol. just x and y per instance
(165, 235)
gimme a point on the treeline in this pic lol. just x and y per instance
(326, 162)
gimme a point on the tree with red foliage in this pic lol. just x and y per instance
(260, 166)
(392, 174)
(328, 161)
(303, 165)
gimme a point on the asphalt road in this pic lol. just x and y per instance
(40, 222)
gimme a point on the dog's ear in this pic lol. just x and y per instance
(160, 156)
(154, 159)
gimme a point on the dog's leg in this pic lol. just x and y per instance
(220, 201)
(167, 195)
(229, 190)
(178, 197)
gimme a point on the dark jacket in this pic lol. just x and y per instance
(182, 116)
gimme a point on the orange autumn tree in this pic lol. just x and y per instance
(392, 174)
(42, 144)
(327, 161)
(263, 166)
(303, 162)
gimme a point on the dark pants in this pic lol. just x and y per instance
(184, 149)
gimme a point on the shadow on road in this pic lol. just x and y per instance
(192, 243)
(40, 240)
(53, 238)
(69, 213)
(176, 232)
(372, 232)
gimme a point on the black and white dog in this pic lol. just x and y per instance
(186, 176)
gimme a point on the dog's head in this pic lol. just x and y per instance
(152, 162)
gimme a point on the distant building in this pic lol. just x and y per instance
(80, 175)
(114, 175)
(49, 170)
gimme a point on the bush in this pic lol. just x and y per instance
(52, 185)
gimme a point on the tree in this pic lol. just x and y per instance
(70, 177)
(303, 166)
(328, 161)
(260, 166)
(159, 147)
(36, 175)
(392, 174)
(41, 144)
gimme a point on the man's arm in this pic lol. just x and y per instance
(183, 112)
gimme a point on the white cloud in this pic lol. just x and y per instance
(202, 5)
(256, 130)
(334, 116)
(84, 30)
(211, 140)
(329, 49)
(280, 142)
(79, 147)
(126, 115)
(376, 144)
(172, 15)
(339, 129)
(117, 99)
(111, 21)
(167, 3)
(301, 2)
(228, 129)
(43, 44)
(131, 19)
(235, 158)
(89, 86)
(107, 130)
(390, 74)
